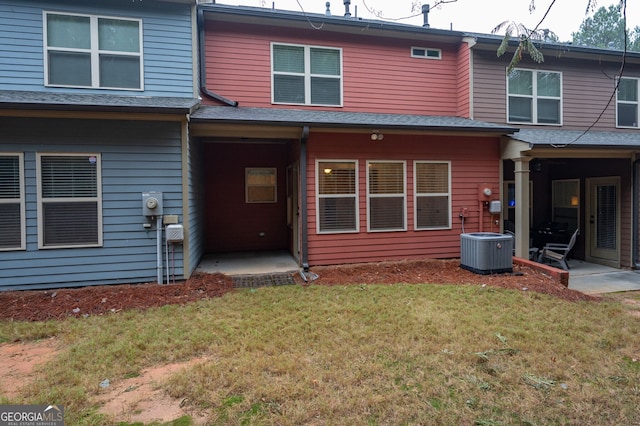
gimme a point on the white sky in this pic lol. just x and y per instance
(479, 16)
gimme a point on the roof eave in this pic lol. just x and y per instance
(338, 23)
(566, 49)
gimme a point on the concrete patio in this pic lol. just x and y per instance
(591, 278)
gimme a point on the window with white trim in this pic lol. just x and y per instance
(69, 200)
(426, 53)
(92, 51)
(627, 103)
(306, 75)
(12, 211)
(386, 193)
(337, 192)
(432, 193)
(534, 97)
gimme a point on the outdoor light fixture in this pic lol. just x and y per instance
(536, 165)
(376, 136)
(574, 201)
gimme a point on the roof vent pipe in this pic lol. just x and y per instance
(328, 11)
(425, 14)
(347, 14)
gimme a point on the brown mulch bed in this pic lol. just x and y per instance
(98, 300)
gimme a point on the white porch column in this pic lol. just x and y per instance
(522, 207)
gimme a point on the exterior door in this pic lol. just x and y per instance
(603, 226)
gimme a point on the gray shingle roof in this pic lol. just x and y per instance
(338, 119)
(578, 138)
(95, 102)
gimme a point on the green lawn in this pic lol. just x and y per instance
(361, 355)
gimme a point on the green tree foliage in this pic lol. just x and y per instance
(606, 29)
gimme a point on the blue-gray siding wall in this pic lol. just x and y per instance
(167, 44)
(196, 204)
(137, 157)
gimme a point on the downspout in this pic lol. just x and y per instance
(203, 68)
(303, 199)
(159, 249)
(635, 212)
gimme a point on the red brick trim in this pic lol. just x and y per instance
(559, 275)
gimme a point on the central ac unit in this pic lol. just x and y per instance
(486, 252)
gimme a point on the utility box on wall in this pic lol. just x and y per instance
(174, 233)
(486, 252)
(152, 203)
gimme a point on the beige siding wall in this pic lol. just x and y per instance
(587, 88)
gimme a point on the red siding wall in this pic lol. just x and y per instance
(473, 160)
(379, 74)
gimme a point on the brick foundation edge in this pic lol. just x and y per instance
(559, 275)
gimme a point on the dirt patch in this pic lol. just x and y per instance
(136, 399)
(139, 399)
(19, 361)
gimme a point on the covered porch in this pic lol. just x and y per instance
(557, 181)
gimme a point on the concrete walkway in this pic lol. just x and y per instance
(590, 278)
(248, 263)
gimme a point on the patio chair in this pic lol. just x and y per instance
(558, 252)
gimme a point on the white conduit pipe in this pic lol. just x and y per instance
(159, 247)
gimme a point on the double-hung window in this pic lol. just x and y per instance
(386, 191)
(337, 189)
(93, 51)
(69, 200)
(306, 75)
(432, 182)
(534, 97)
(627, 103)
(12, 211)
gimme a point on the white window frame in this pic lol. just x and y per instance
(355, 196)
(534, 98)
(636, 103)
(403, 195)
(417, 195)
(94, 51)
(307, 75)
(41, 200)
(20, 200)
(426, 55)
